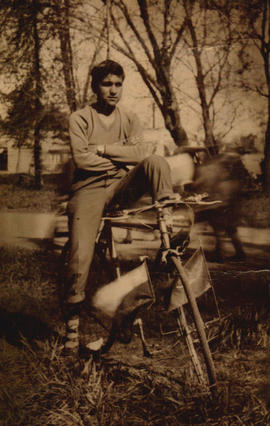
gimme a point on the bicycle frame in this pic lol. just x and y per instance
(122, 222)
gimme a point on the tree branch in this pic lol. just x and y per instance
(90, 67)
(130, 53)
(178, 38)
(145, 17)
(140, 39)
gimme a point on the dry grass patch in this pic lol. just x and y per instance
(40, 387)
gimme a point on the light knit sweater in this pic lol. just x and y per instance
(122, 141)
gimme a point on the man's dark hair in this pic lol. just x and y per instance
(100, 71)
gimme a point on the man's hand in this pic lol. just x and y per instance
(100, 149)
(97, 149)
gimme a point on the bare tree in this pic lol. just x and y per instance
(253, 23)
(209, 40)
(149, 33)
(62, 19)
(34, 11)
(74, 22)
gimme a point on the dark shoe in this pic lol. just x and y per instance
(95, 345)
(91, 350)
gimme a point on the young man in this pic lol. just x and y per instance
(105, 139)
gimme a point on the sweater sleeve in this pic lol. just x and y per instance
(134, 149)
(83, 157)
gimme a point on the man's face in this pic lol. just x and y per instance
(110, 90)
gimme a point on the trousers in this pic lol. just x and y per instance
(86, 208)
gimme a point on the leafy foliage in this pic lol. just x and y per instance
(21, 115)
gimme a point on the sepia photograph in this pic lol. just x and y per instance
(134, 212)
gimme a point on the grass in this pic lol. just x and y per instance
(20, 195)
(254, 210)
(25, 200)
(40, 387)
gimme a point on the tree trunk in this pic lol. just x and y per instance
(38, 90)
(210, 141)
(62, 19)
(266, 160)
(170, 112)
(264, 49)
(169, 105)
(37, 162)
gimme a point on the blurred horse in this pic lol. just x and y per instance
(221, 177)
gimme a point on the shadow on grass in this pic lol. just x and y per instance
(16, 326)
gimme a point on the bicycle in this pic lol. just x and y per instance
(170, 254)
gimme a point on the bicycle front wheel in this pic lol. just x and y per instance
(199, 325)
